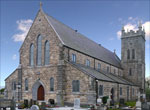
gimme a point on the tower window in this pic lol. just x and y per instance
(74, 58)
(130, 71)
(87, 63)
(99, 66)
(75, 86)
(133, 54)
(128, 54)
(100, 90)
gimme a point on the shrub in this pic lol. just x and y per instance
(130, 103)
(104, 99)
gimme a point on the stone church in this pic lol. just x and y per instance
(57, 62)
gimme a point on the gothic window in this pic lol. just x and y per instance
(133, 54)
(130, 71)
(74, 58)
(128, 54)
(13, 85)
(26, 84)
(39, 50)
(87, 63)
(31, 60)
(46, 53)
(92, 83)
(133, 91)
(100, 90)
(99, 66)
(108, 69)
(51, 84)
(120, 90)
(75, 86)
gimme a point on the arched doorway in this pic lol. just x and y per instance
(40, 93)
(38, 90)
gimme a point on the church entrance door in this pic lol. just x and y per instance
(40, 93)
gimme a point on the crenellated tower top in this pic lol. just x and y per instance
(131, 33)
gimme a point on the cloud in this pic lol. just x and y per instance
(23, 28)
(133, 26)
(14, 57)
(127, 28)
(146, 26)
(111, 38)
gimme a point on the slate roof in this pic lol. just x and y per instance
(102, 75)
(79, 42)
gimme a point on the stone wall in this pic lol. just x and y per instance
(10, 93)
(81, 58)
(41, 73)
(73, 73)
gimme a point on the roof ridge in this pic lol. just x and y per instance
(77, 32)
(81, 43)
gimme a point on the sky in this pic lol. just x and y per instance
(99, 20)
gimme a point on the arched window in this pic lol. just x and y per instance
(120, 90)
(51, 84)
(128, 54)
(100, 90)
(87, 62)
(75, 86)
(31, 55)
(99, 66)
(130, 71)
(39, 50)
(14, 85)
(26, 84)
(133, 54)
(108, 69)
(47, 53)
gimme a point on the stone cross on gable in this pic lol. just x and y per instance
(40, 5)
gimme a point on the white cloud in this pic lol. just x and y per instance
(14, 57)
(111, 38)
(146, 26)
(130, 18)
(23, 27)
(132, 26)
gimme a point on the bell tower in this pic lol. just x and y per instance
(133, 56)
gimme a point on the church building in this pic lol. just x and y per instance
(57, 62)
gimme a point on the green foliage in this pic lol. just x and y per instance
(2, 90)
(114, 109)
(104, 99)
(147, 91)
(130, 103)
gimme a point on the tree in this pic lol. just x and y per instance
(2, 90)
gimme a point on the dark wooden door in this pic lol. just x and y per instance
(40, 94)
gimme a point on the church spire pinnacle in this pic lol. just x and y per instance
(140, 25)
